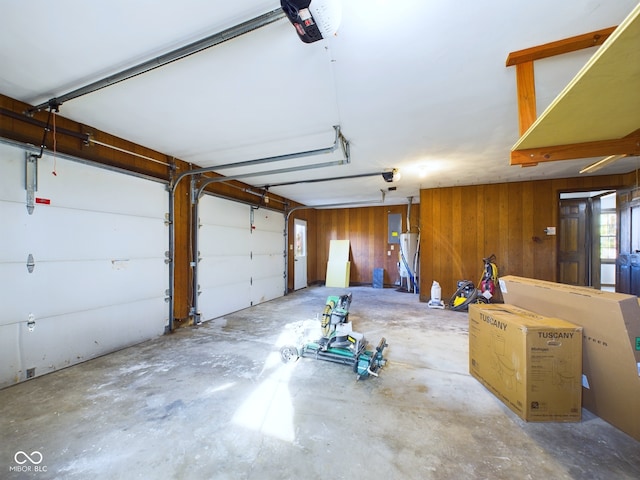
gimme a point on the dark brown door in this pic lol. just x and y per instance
(572, 242)
(628, 261)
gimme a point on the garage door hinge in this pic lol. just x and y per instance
(31, 180)
(167, 257)
(251, 281)
(31, 263)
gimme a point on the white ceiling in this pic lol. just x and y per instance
(416, 85)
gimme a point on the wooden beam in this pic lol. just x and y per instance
(526, 87)
(629, 145)
(559, 47)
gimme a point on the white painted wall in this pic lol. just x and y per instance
(241, 266)
(99, 279)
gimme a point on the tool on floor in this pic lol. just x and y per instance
(489, 279)
(436, 296)
(468, 293)
(337, 342)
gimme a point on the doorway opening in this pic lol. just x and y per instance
(299, 254)
(588, 239)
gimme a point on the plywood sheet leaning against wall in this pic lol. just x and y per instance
(338, 266)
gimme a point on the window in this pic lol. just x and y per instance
(608, 249)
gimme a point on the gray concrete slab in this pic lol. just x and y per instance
(216, 402)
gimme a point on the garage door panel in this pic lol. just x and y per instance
(268, 266)
(240, 265)
(224, 213)
(99, 189)
(224, 240)
(268, 243)
(99, 276)
(10, 364)
(224, 299)
(268, 221)
(49, 344)
(220, 270)
(58, 287)
(265, 289)
(81, 235)
(268, 280)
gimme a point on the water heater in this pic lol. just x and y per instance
(409, 258)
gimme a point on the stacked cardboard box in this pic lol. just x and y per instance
(611, 342)
(530, 362)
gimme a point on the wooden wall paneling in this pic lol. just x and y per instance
(515, 236)
(365, 247)
(442, 239)
(378, 236)
(508, 219)
(530, 239)
(427, 219)
(367, 244)
(468, 221)
(504, 223)
(481, 224)
(358, 243)
(437, 248)
(495, 230)
(458, 222)
(377, 250)
(545, 215)
(182, 270)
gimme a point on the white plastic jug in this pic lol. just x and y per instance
(436, 291)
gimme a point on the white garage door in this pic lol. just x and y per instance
(242, 256)
(97, 240)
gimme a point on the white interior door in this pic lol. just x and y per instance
(85, 273)
(299, 254)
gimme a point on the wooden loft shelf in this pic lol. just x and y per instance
(598, 113)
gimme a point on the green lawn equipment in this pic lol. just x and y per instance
(336, 342)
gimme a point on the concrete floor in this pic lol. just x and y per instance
(216, 402)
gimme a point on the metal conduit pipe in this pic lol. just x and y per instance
(172, 190)
(339, 141)
(172, 56)
(319, 180)
(85, 137)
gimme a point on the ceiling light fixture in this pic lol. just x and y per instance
(601, 163)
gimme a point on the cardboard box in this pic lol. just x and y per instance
(530, 362)
(611, 342)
